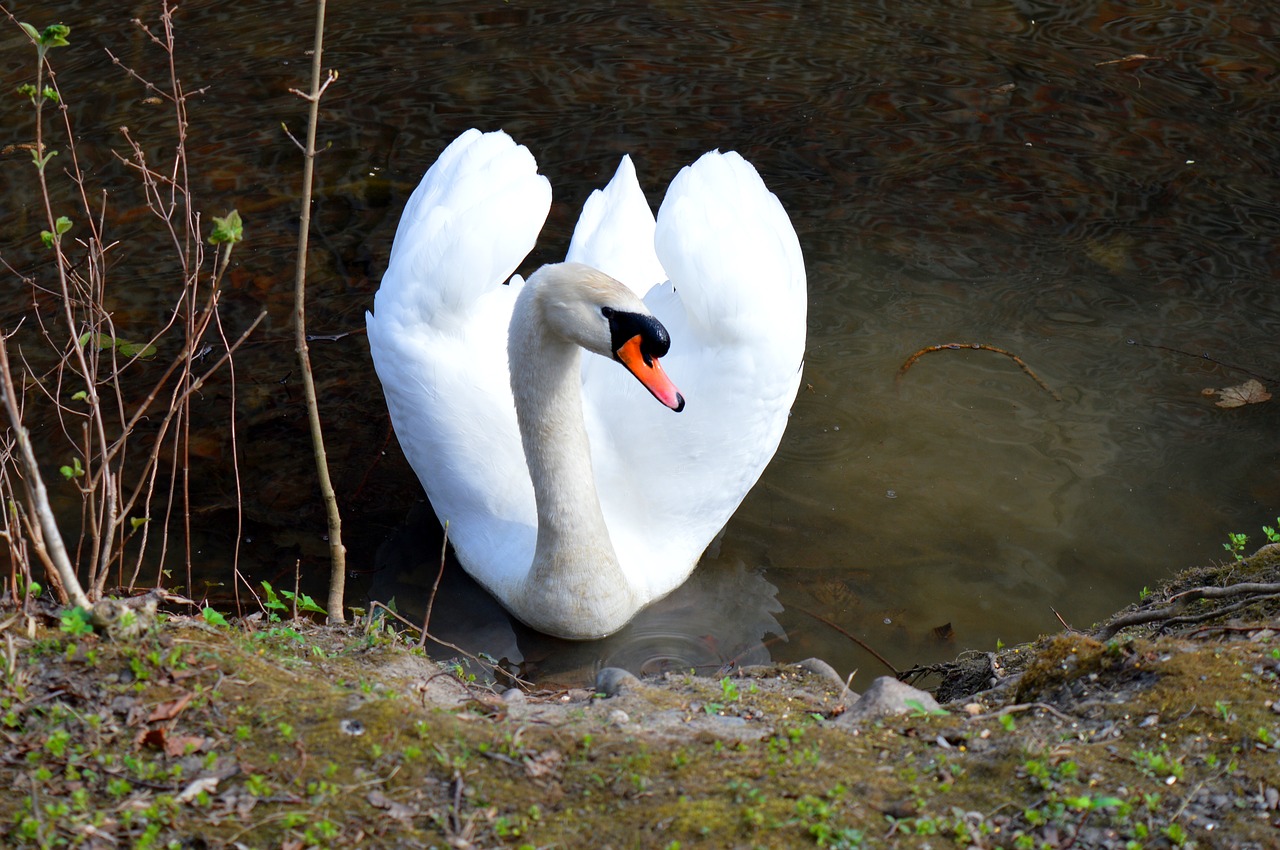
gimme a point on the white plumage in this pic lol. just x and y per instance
(734, 306)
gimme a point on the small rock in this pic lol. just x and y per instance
(514, 696)
(820, 668)
(613, 681)
(887, 696)
(972, 709)
(618, 717)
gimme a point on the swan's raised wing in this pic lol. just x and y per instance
(473, 218)
(438, 336)
(735, 308)
(615, 233)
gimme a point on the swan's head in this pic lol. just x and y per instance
(602, 315)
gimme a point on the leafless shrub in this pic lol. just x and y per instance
(117, 401)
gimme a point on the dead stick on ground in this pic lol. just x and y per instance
(38, 496)
(337, 552)
(976, 346)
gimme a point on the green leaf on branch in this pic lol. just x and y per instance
(273, 601)
(41, 161)
(51, 94)
(62, 225)
(303, 601)
(227, 229)
(75, 470)
(54, 35)
(133, 349)
(80, 396)
(136, 522)
(126, 348)
(28, 90)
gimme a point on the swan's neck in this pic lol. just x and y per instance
(574, 587)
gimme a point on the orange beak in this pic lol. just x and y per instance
(649, 372)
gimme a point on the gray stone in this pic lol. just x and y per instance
(886, 697)
(612, 681)
(821, 669)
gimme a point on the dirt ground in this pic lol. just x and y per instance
(1158, 729)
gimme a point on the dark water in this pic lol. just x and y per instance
(981, 172)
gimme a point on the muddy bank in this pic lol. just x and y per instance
(1163, 733)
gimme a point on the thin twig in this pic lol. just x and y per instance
(426, 620)
(376, 606)
(337, 552)
(855, 639)
(1205, 357)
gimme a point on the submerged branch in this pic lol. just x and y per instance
(976, 346)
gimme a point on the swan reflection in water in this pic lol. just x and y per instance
(723, 616)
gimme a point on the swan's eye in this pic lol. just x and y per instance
(607, 312)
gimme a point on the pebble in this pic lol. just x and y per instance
(612, 681)
(818, 667)
(887, 696)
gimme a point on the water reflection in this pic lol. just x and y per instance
(723, 617)
(977, 171)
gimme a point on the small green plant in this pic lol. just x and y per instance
(213, 618)
(1273, 536)
(300, 602)
(1158, 763)
(918, 709)
(1235, 545)
(76, 621)
(257, 785)
(1144, 593)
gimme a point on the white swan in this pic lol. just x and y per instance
(624, 495)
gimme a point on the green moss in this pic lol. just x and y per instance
(318, 737)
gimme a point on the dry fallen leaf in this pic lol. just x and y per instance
(205, 785)
(1250, 392)
(171, 709)
(543, 764)
(400, 811)
(176, 746)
